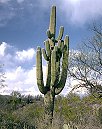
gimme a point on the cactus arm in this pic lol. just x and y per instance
(59, 44)
(39, 71)
(52, 26)
(60, 50)
(66, 43)
(57, 71)
(52, 44)
(48, 79)
(61, 31)
(62, 45)
(48, 34)
(48, 51)
(62, 81)
(47, 46)
(53, 67)
(45, 55)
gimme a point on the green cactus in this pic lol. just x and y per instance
(56, 54)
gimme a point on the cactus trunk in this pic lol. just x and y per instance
(49, 108)
(56, 54)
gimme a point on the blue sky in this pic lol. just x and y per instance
(23, 25)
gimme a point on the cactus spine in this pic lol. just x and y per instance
(56, 51)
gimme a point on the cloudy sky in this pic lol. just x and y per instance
(23, 25)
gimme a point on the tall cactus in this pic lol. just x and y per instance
(56, 54)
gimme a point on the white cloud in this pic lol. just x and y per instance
(25, 54)
(81, 11)
(11, 57)
(3, 46)
(18, 77)
(20, 1)
(4, 1)
(6, 55)
(22, 80)
(74, 1)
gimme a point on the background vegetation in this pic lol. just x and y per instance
(26, 112)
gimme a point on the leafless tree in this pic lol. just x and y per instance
(2, 77)
(86, 63)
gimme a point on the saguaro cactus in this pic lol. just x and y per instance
(56, 55)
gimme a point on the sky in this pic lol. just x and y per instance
(23, 25)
